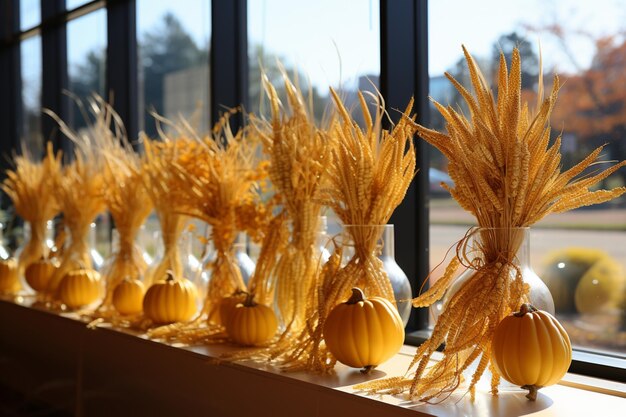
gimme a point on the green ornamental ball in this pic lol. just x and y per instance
(583, 280)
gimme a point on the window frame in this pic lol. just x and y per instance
(403, 27)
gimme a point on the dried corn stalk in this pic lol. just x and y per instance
(31, 188)
(369, 173)
(507, 172)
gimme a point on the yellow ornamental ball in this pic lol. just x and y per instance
(564, 269)
(601, 287)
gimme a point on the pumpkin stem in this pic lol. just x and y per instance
(169, 277)
(249, 301)
(81, 264)
(525, 309)
(368, 369)
(532, 391)
(357, 295)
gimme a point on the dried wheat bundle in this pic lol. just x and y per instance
(507, 172)
(81, 188)
(369, 173)
(126, 198)
(275, 241)
(161, 179)
(222, 191)
(299, 153)
(31, 188)
(219, 184)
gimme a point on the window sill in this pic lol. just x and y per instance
(55, 360)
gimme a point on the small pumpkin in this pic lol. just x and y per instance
(80, 287)
(128, 296)
(170, 300)
(531, 349)
(221, 314)
(250, 323)
(38, 273)
(9, 281)
(363, 333)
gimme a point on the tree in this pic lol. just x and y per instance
(592, 109)
(261, 62)
(165, 49)
(530, 61)
(87, 78)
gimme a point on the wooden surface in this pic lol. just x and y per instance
(55, 366)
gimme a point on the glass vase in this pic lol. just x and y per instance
(539, 294)
(178, 258)
(510, 245)
(97, 260)
(4, 252)
(382, 248)
(126, 260)
(242, 259)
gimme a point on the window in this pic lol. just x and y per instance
(580, 255)
(349, 45)
(339, 48)
(173, 42)
(73, 4)
(86, 56)
(31, 137)
(30, 14)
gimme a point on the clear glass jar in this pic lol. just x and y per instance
(97, 260)
(511, 244)
(244, 262)
(124, 262)
(539, 295)
(382, 248)
(4, 252)
(180, 257)
(37, 243)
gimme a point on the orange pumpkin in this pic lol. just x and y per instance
(128, 296)
(38, 274)
(9, 282)
(170, 300)
(531, 349)
(80, 287)
(221, 314)
(363, 333)
(251, 324)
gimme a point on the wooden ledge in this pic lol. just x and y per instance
(56, 362)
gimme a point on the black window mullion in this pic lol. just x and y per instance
(228, 58)
(11, 87)
(10, 80)
(404, 74)
(55, 77)
(121, 62)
